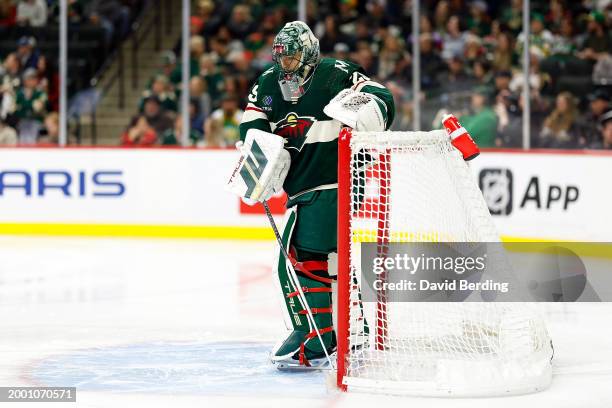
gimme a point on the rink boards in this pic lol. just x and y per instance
(179, 193)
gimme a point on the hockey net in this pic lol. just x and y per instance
(415, 187)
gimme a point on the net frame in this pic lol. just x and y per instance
(385, 141)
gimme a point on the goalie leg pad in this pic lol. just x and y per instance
(310, 233)
(303, 344)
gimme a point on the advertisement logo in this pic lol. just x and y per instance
(42, 183)
(496, 186)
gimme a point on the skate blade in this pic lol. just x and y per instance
(321, 364)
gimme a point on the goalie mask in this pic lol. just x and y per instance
(296, 53)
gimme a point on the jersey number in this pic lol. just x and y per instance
(359, 77)
(253, 94)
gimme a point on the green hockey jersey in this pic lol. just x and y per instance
(311, 136)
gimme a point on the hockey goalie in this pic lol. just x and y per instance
(289, 140)
(290, 127)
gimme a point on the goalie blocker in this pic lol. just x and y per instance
(262, 167)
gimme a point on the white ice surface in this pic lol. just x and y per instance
(181, 323)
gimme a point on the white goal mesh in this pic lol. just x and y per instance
(414, 186)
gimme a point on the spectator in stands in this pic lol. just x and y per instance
(244, 76)
(174, 136)
(198, 92)
(502, 81)
(512, 16)
(503, 55)
(565, 42)
(473, 49)
(221, 129)
(427, 28)
(31, 106)
(537, 79)
(441, 15)
(365, 57)
(605, 140)
(241, 22)
(490, 40)
(222, 53)
(235, 46)
(478, 22)
(209, 18)
(540, 38)
(453, 41)
(197, 46)
(481, 122)
(341, 51)
(32, 13)
(10, 73)
(7, 105)
(393, 60)
(27, 53)
(161, 89)
(112, 15)
(588, 123)
(362, 31)
(155, 115)
(481, 73)
(168, 68)
(559, 129)
(598, 41)
(196, 116)
(139, 133)
(403, 117)
(455, 79)
(348, 15)
(331, 35)
(48, 82)
(431, 63)
(262, 57)
(49, 134)
(509, 111)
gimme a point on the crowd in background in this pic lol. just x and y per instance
(470, 65)
(29, 82)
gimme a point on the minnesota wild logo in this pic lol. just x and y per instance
(294, 129)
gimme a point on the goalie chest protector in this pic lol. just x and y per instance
(311, 136)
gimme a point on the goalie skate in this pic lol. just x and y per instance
(293, 364)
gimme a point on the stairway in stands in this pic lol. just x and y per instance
(111, 119)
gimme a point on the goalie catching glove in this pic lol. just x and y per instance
(262, 167)
(358, 110)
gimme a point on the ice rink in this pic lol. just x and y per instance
(147, 323)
